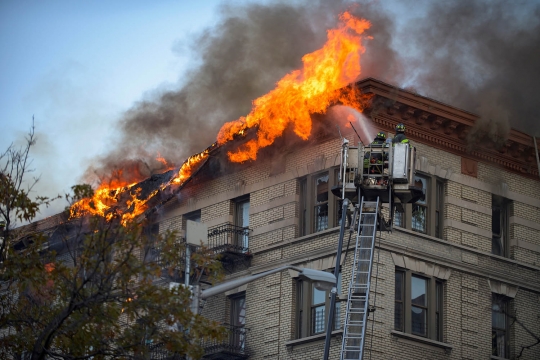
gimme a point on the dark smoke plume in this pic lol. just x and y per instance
(482, 56)
(241, 58)
(479, 55)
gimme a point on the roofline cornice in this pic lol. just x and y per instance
(446, 127)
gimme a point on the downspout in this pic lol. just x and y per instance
(536, 152)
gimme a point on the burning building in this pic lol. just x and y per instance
(452, 261)
(456, 278)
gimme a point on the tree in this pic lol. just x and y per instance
(87, 287)
(15, 201)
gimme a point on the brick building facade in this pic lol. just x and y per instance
(447, 282)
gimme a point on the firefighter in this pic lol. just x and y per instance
(400, 135)
(380, 139)
(376, 159)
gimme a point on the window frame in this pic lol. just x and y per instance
(195, 215)
(242, 239)
(304, 308)
(308, 202)
(237, 337)
(434, 292)
(502, 302)
(434, 205)
(501, 204)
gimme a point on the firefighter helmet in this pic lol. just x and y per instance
(381, 135)
(400, 127)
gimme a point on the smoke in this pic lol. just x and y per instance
(481, 56)
(240, 59)
(478, 55)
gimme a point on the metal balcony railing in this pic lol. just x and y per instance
(160, 352)
(228, 238)
(153, 255)
(232, 347)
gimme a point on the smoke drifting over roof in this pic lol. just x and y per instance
(482, 56)
(479, 55)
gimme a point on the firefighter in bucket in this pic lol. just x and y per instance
(376, 162)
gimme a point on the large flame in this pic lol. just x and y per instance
(108, 196)
(319, 84)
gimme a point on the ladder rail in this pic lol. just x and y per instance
(357, 309)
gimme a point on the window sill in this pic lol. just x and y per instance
(493, 357)
(445, 346)
(311, 338)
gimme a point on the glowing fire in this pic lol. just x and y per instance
(304, 92)
(186, 170)
(106, 198)
(321, 82)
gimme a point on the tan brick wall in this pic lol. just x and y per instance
(217, 210)
(270, 312)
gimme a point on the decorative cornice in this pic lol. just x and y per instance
(448, 128)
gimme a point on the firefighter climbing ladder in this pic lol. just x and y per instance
(354, 329)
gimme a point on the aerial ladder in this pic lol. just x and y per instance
(370, 176)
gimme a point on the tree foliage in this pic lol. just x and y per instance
(88, 287)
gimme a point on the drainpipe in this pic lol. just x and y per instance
(536, 152)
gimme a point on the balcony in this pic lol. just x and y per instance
(169, 272)
(232, 243)
(160, 352)
(232, 347)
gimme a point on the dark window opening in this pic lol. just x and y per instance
(499, 226)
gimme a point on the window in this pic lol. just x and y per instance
(238, 322)
(499, 226)
(499, 326)
(439, 209)
(318, 210)
(427, 214)
(418, 305)
(241, 220)
(193, 216)
(419, 209)
(312, 308)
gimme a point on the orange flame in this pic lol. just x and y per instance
(321, 83)
(189, 166)
(304, 92)
(107, 198)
